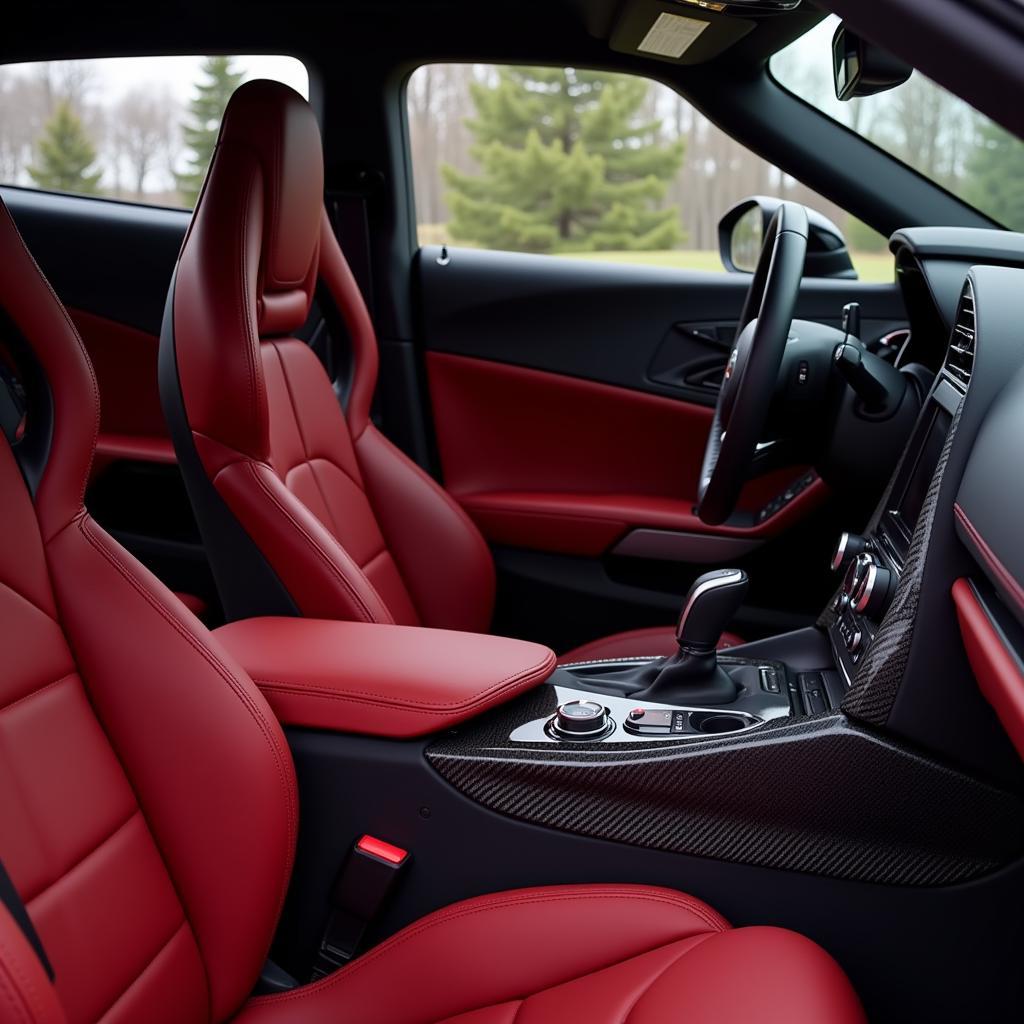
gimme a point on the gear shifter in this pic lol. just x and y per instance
(692, 675)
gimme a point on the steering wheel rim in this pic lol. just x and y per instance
(753, 368)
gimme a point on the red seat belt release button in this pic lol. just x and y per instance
(385, 851)
(363, 884)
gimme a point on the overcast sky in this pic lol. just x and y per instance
(115, 76)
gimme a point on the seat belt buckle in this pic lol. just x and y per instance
(364, 882)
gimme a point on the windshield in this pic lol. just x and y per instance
(931, 130)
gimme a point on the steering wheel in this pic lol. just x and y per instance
(753, 368)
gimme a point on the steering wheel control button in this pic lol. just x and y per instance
(581, 720)
(780, 501)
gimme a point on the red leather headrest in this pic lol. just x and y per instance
(63, 435)
(277, 127)
(248, 266)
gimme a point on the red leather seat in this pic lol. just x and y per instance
(149, 805)
(304, 505)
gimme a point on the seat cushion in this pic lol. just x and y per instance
(636, 643)
(589, 953)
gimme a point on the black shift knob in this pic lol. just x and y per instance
(710, 605)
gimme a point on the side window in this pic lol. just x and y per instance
(140, 129)
(590, 164)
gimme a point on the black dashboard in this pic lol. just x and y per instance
(931, 266)
(951, 511)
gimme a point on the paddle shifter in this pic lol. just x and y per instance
(692, 675)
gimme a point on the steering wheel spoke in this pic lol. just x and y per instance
(732, 453)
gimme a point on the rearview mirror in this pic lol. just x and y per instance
(741, 230)
(861, 69)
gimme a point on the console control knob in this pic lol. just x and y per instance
(856, 572)
(580, 719)
(850, 546)
(872, 595)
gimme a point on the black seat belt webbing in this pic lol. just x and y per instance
(12, 901)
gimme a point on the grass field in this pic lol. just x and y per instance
(870, 266)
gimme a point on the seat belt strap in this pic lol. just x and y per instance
(12, 406)
(347, 202)
(12, 901)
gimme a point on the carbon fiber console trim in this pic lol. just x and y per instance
(819, 795)
(880, 673)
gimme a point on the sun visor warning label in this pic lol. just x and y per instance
(671, 35)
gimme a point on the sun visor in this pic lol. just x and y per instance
(677, 32)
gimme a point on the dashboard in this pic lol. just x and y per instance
(927, 627)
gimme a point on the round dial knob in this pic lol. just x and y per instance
(850, 546)
(855, 574)
(580, 718)
(872, 595)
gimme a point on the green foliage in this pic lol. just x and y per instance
(861, 238)
(567, 164)
(205, 111)
(996, 175)
(65, 155)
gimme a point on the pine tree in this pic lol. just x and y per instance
(205, 111)
(995, 175)
(65, 155)
(568, 164)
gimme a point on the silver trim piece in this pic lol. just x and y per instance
(867, 588)
(840, 553)
(727, 578)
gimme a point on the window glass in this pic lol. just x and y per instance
(589, 164)
(135, 128)
(931, 130)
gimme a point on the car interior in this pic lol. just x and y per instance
(420, 607)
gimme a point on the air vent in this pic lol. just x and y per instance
(960, 358)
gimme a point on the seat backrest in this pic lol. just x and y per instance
(304, 506)
(147, 797)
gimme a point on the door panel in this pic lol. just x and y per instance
(586, 462)
(605, 321)
(571, 404)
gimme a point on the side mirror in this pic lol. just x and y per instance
(860, 68)
(742, 229)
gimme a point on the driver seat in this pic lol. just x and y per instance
(304, 506)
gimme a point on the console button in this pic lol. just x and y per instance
(812, 688)
(653, 722)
